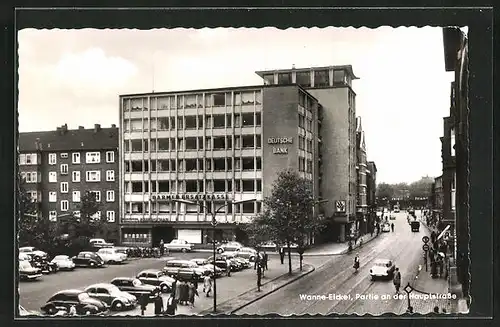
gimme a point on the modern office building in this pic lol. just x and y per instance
(212, 147)
(361, 181)
(59, 166)
(332, 86)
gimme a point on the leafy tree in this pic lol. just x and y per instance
(288, 212)
(385, 190)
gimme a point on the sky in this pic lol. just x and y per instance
(76, 76)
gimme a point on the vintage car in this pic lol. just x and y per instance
(247, 253)
(83, 303)
(24, 256)
(28, 272)
(382, 268)
(415, 226)
(63, 262)
(88, 259)
(135, 287)
(184, 269)
(111, 295)
(33, 251)
(221, 262)
(179, 245)
(271, 246)
(199, 261)
(386, 228)
(156, 278)
(122, 249)
(209, 268)
(230, 247)
(100, 243)
(111, 256)
(45, 266)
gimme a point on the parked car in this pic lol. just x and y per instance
(221, 262)
(28, 272)
(386, 228)
(45, 266)
(83, 303)
(247, 253)
(88, 259)
(382, 268)
(184, 269)
(179, 245)
(111, 256)
(271, 246)
(135, 287)
(111, 295)
(245, 263)
(199, 262)
(122, 249)
(24, 256)
(100, 243)
(229, 247)
(156, 278)
(34, 251)
(415, 226)
(210, 269)
(63, 262)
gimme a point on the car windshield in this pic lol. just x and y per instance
(83, 296)
(230, 248)
(381, 264)
(61, 257)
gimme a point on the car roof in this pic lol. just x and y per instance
(61, 256)
(102, 285)
(124, 278)
(382, 260)
(86, 252)
(151, 271)
(70, 291)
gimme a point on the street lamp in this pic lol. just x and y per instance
(214, 224)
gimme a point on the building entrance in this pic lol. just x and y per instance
(165, 233)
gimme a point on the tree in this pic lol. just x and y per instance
(288, 212)
(385, 190)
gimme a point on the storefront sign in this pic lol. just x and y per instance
(167, 197)
(277, 150)
(280, 140)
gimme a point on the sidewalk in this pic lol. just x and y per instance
(424, 283)
(338, 248)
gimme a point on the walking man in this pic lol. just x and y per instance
(162, 247)
(282, 254)
(266, 258)
(392, 227)
(207, 284)
(397, 280)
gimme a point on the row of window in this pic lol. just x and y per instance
(110, 195)
(90, 175)
(305, 144)
(193, 101)
(90, 157)
(215, 185)
(191, 165)
(29, 159)
(194, 143)
(110, 215)
(305, 165)
(200, 208)
(305, 122)
(304, 78)
(192, 122)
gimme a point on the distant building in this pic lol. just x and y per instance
(362, 184)
(59, 166)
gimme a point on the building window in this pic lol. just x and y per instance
(93, 157)
(110, 156)
(301, 121)
(64, 169)
(191, 186)
(110, 196)
(52, 196)
(52, 177)
(30, 177)
(302, 164)
(64, 155)
(64, 187)
(248, 141)
(52, 158)
(247, 119)
(321, 78)
(75, 176)
(190, 143)
(75, 157)
(110, 175)
(338, 77)
(309, 166)
(248, 207)
(248, 163)
(285, 78)
(53, 215)
(64, 205)
(93, 176)
(110, 216)
(301, 143)
(190, 164)
(97, 195)
(219, 143)
(303, 79)
(190, 122)
(28, 159)
(219, 100)
(76, 196)
(248, 186)
(162, 123)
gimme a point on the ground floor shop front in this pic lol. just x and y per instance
(146, 236)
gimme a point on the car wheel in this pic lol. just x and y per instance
(51, 310)
(252, 258)
(88, 312)
(219, 250)
(117, 306)
(164, 288)
(184, 250)
(92, 265)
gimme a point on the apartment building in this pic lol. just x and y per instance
(59, 166)
(212, 147)
(332, 87)
(371, 191)
(361, 182)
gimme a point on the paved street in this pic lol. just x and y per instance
(336, 277)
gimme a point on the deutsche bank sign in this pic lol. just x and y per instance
(167, 197)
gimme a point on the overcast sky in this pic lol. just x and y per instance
(75, 77)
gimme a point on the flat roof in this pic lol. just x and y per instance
(348, 68)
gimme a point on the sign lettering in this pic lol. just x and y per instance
(280, 150)
(280, 140)
(168, 197)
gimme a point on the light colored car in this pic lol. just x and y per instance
(270, 245)
(100, 243)
(247, 253)
(230, 247)
(111, 255)
(112, 296)
(156, 278)
(386, 228)
(32, 250)
(199, 261)
(63, 262)
(382, 268)
(210, 268)
(179, 245)
(24, 256)
(27, 272)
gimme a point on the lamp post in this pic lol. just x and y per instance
(214, 224)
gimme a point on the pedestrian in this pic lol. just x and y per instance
(228, 267)
(282, 254)
(266, 259)
(397, 280)
(158, 305)
(171, 306)
(177, 291)
(444, 310)
(207, 284)
(184, 297)
(162, 247)
(392, 227)
(192, 293)
(257, 260)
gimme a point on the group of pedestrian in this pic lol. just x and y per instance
(185, 291)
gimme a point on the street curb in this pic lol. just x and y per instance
(347, 250)
(308, 269)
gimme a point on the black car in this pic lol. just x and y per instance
(88, 259)
(184, 269)
(135, 287)
(81, 300)
(221, 262)
(45, 266)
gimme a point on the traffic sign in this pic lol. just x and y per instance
(425, 247)
(425, 239)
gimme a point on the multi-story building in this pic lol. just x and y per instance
(212, 147)
(456, 60)
(371, 190)
(59, 166)
(332, 86)
(437, 207)
(448, 160)
(361, 182)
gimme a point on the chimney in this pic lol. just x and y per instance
(81, 128)
(64, 128)
(97, 128)
(293, 66)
